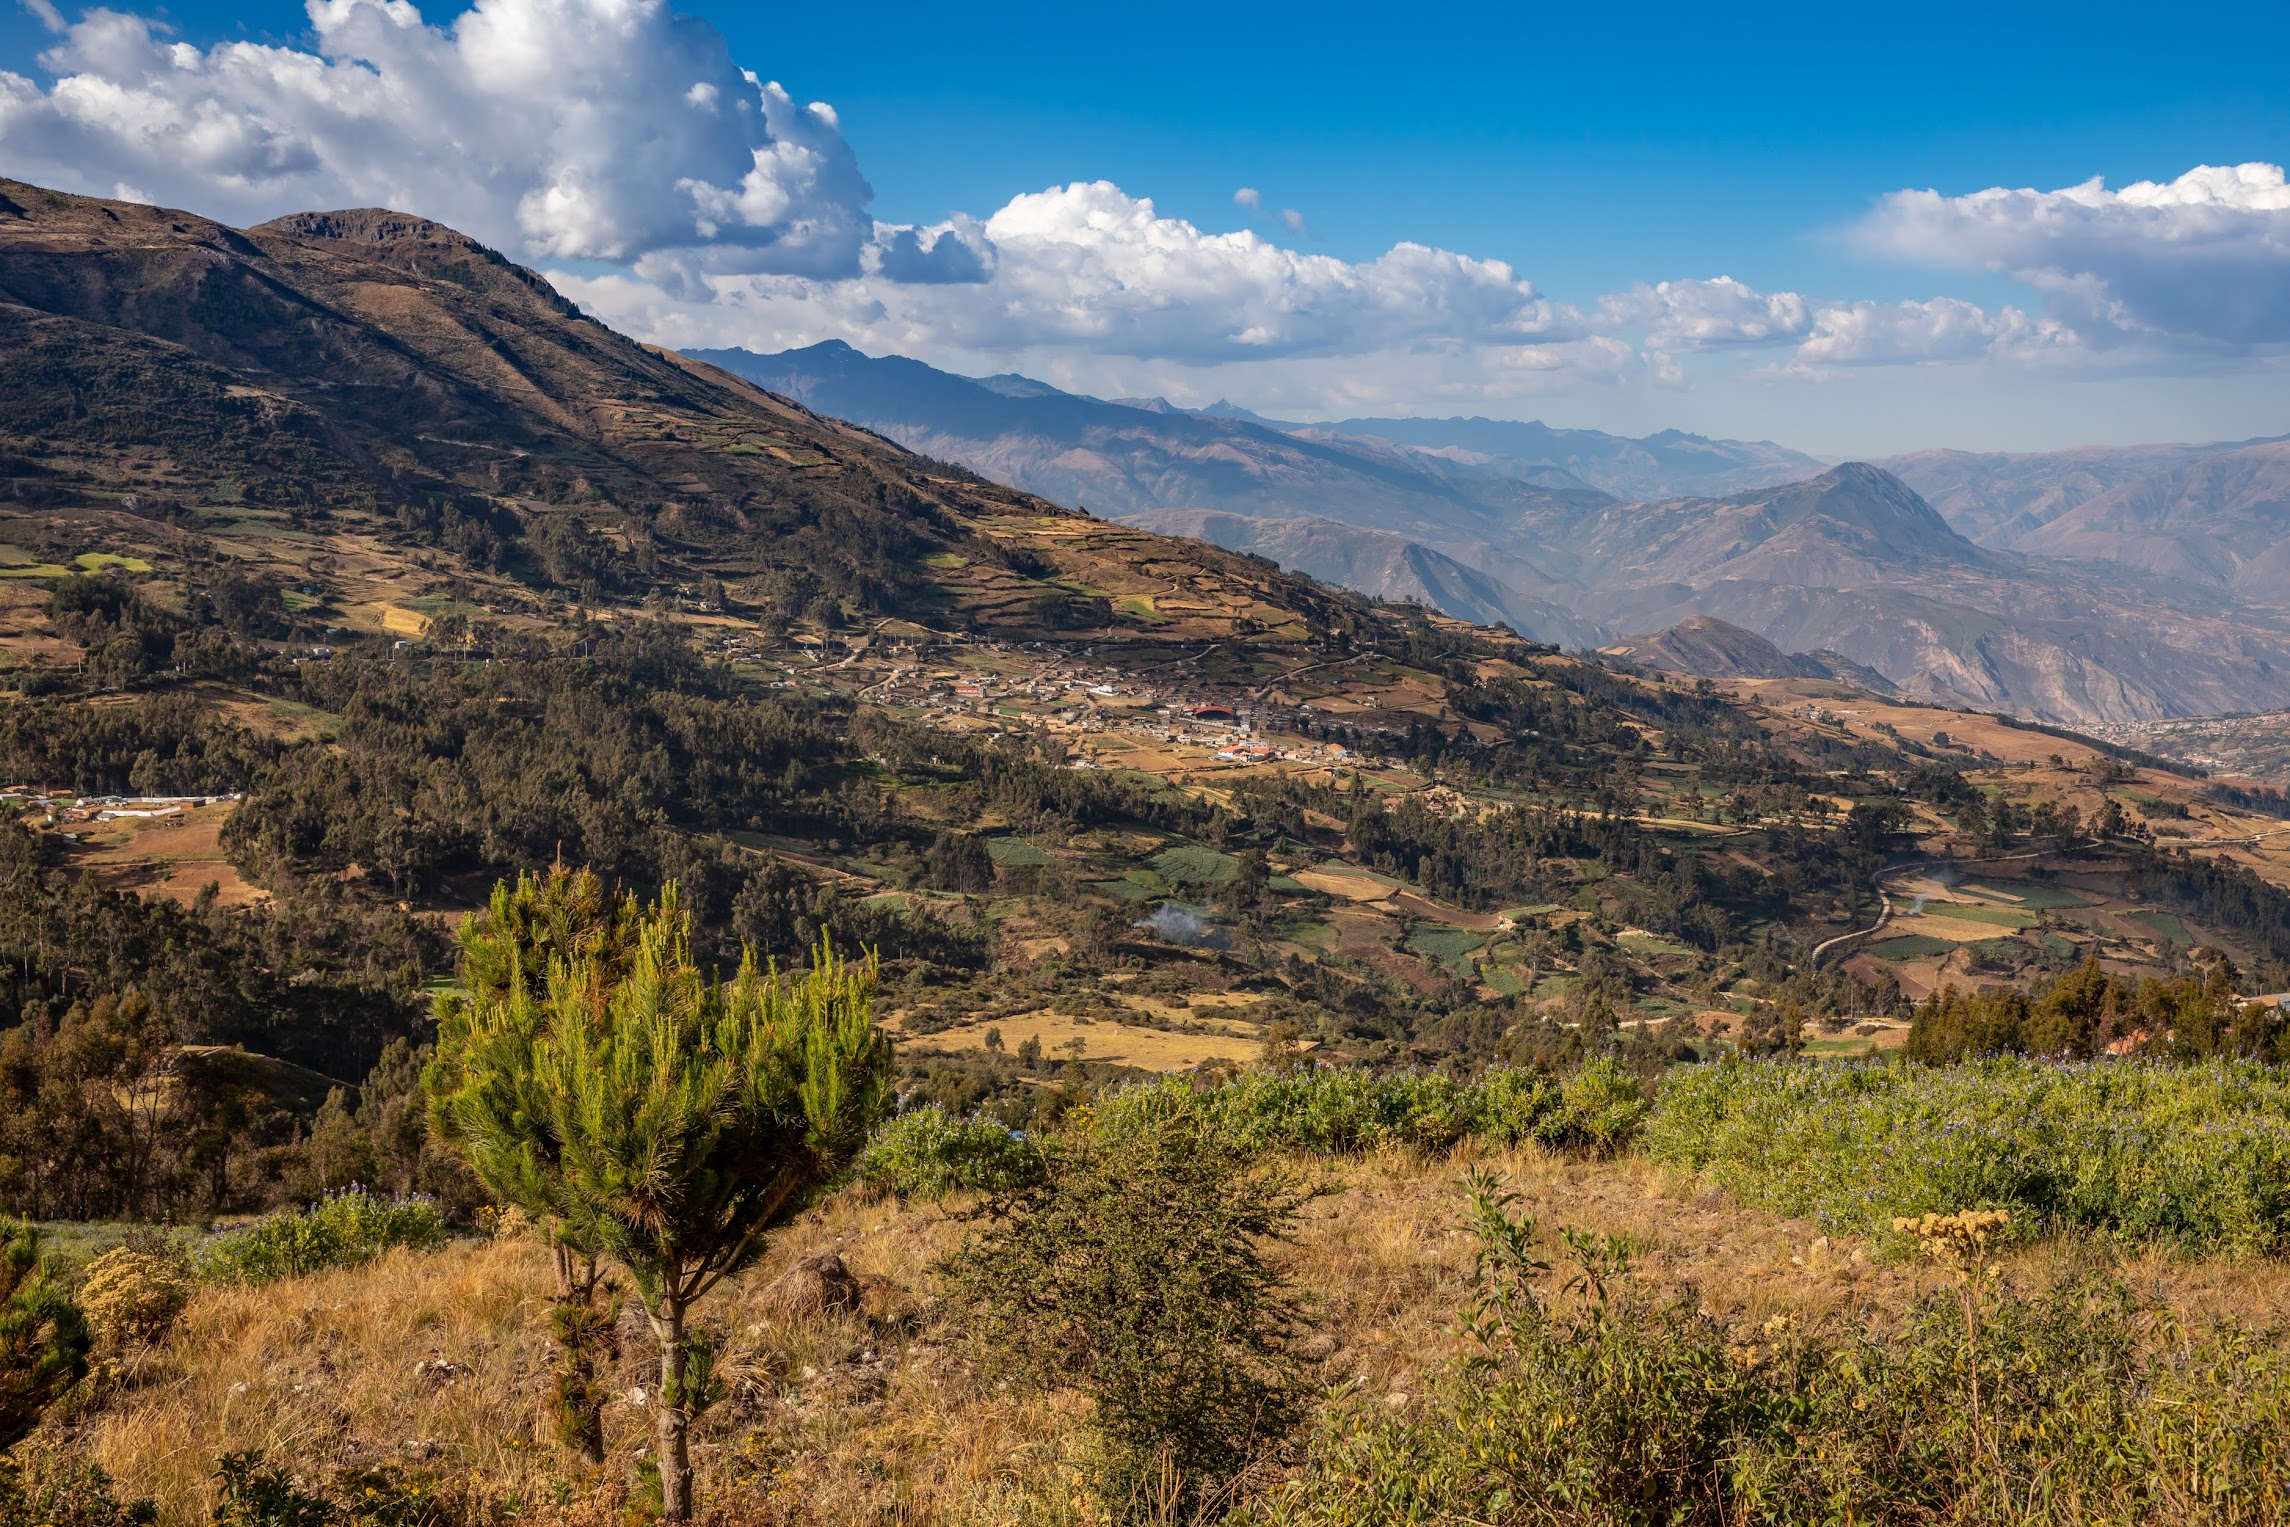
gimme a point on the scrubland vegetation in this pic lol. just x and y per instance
(2195, 1156)
(1754, 1291)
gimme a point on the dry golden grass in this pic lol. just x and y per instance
(175, 857)
(337, 1370)
(886, 1416)
(1124, 1044)
(1350, 885)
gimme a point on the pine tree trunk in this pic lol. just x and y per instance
(582, 1325)
(673, 1414)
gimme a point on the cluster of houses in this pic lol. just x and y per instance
(64, 806)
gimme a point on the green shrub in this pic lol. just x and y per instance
(255, 1493)
(2198, 1155)
(1135, 1271)
(927, 1154)
(52, 1492)
(1520, 1107)
(1342, 1111)
(1596, 1401)
(1326, 1111)
(44, 1338)
(340, 1230)
(1603, 1106)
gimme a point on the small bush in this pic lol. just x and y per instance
(1135, 1271)
(133, 1297)
(928, 1154)
(340, 1230)
(1602, 1108)
(1519, 1107)
(55, 1493)
(259, 1494)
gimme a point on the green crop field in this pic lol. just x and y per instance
(1447, 945)
(2001, 917)
(1914, 946)
(1503, 979)
(2167, 927)
(1194, 864)
(1015, 853)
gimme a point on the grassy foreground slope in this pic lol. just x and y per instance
(428, 1368)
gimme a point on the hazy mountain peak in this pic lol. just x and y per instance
(1865, 497)
(1668, 464)
(1011, 384)
(1486, 518)
(1225, 408)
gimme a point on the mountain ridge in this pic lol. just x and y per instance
(367, 375)
(1998, 497)
(1850, 559)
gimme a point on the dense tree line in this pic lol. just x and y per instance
(2088, 1010)
(136, 1079)
(315, 977)
(126, 638)
(105, 1115)
(616, 757)
(168, 743)
(2222, 895)
(2265, 800)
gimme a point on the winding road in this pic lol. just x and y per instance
(1884, 916)
(1919, 866)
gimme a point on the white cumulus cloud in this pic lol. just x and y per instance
(1939, 332)
(2203, 259)
(555, 129)
(1089, 267)
(1694, 314)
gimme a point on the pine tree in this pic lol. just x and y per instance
(667, 1120)
(44, 1338)
(544, 924)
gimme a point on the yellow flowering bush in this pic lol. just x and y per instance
(133, 1297)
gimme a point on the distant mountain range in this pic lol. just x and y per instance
(2095, 586)
(2214, 515)
(1430, 517)
(1671, 464)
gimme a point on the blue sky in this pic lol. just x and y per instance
(1593, 154)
